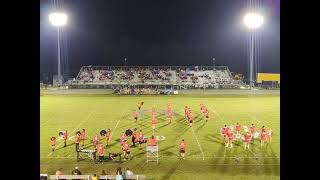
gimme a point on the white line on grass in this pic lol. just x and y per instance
(115, 127)
(198, 143)
(90, 113)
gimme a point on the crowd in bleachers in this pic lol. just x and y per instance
(154, 75)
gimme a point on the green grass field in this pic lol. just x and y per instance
(206, 156)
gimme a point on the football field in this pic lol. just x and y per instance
(206, 155)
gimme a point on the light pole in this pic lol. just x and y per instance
(253, 21)
(125, 61)
(213, 63)
(58, 19)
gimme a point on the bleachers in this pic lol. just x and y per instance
(88, 177)
(196, 77)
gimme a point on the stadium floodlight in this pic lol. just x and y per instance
(58, 19)
(253, 20)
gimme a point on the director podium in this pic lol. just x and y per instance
(152, 153)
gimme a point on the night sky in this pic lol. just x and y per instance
(157, 32)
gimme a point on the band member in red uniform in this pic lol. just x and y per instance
(230, 138)
(263, 137)
(247, 139)
(252, 131)
(135, 115)
(96, 141)
(125, 149)
(123, 138)
(53, 142)
(182, 149)
(77, 141)
(238, 128)
(153, 118)
(101, 152)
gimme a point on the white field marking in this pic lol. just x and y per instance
(90, 113)
(219, 116)
(254, 118)
(198, 143)
(51, 117)
(71, 137)
(115, 127)
(254, 155)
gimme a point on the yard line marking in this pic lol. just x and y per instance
(90, 113)
(112, 132)
(51, 117)
(198, 143)
(254, 118)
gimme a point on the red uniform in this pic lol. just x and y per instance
(135, 115)
(153, 119)
(82, 135)
(225, 131)
(206, 113)
(53, 141)
(125, 146)
(238, 128)
(182, 147)
(123, 137)
(96, 140)
(65, 135)
(263, 130)
(230, 135)
(252, 129)
(101, 150)
(152, 142)
(247, 138)
(263, 136)
(107, 136)
(169, 113)
(77, 140)
(190, 117)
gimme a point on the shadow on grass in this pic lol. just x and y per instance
(171, 171)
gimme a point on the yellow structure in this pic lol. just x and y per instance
(268, 77)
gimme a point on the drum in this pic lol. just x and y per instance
(231, 128)
(129, 132)
(103, 132)
(61, 133)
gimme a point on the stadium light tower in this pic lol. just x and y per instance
(58, 19)
(253, 21)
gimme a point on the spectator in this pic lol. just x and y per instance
(76, 171)
(119, 174)
(94, 177)
(118, 171)
(128, 172)
(59, 172)
(103, 173)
